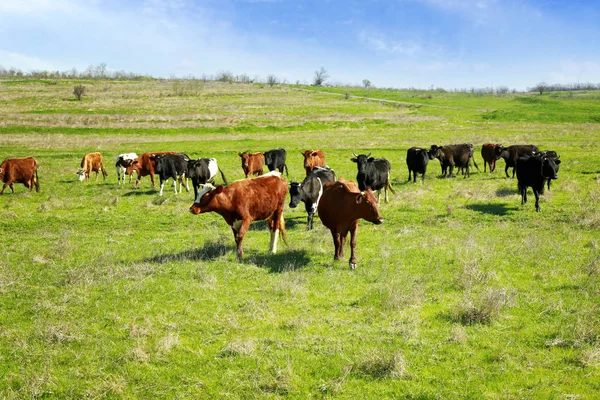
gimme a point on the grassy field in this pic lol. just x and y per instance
(111, 292)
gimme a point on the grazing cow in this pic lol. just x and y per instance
(145, 165)
(174, 166)
(244, 201)
(91, 162)
(512, 153)
(252, 163)
(373, 173)
(490, 155)
(534, 171)
(416, 160)
(313, 159)
(275, 160)
(340, 208)
(453, 155)
(19, 170)
(202, 171)
(310, 190)
(121, 163)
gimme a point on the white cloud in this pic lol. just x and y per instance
(27, 63)
(379, 43)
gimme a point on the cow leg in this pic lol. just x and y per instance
(452, 170)
(409, 174)
(162, 186)
(4, 187)
(12, 187)
(242, 227)
(523, 190)
(492, 165)
(353, 234)
(175, 185)
(274, 237)
(309, 224)
(536, 193)
(152, 179)
(506, 171)
(514, 170)
(336, 244)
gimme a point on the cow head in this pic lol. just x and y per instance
(367, 207)
(245, 156)
(295, 194)
(435, 152)
(497, 151)
(81, 174)
(205, 197)
(361, 161)
(132, 165)
(550, 167)
(159, 166)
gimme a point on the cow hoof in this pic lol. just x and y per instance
(352, 266)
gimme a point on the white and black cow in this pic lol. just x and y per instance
(203, 171)
(534, 171)
(121, 163)
(275, 160)
(172, 166)
(309, 191)
(416, 160)
(373, 173)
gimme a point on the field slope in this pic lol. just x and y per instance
(108, 291)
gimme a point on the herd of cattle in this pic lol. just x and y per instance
(339, 203)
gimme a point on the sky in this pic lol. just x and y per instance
(451, 44)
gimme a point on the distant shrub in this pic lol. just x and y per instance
(320, 77)
(272, 80)
(224, 76)
(79, 91)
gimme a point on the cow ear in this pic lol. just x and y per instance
(353, 159)
(371, 159)
(239, 154)
(314, 154)
(359, 198)
(557, 161)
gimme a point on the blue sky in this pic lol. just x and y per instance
(393, 43)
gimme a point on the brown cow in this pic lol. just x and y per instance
(342, 205)
(490, 155)
(312, 159)
(145, 165)
(91, 162)
(252, 163)
(244, 201)
(19, 170)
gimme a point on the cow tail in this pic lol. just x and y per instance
(37, 181)
(286, 170)
(389, 185)
(282, 231)
(223, 176)
(475, 164)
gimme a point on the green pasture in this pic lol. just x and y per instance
(111, 292)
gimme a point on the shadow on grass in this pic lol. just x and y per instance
(493, 209)
(281, 262)
(290, 223)
(140, 193)
(210, 251)
(503, 192)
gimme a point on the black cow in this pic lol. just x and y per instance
(275, 159)
(454, 155)
(310, 190)
(416, 160)
(534, 171)
(373, 174)
(202, 171)
(174, 166)
(512, 153)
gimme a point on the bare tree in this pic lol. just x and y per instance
(320, 77)
(541, 87)
(272, 80)
(502, 90)
(366, 83)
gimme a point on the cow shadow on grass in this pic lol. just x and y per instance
(504, 192)
(491, 208)
(263, 226)
(210, 251)
(287, 260)
(140, 193)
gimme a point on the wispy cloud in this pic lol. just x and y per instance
(380, 43)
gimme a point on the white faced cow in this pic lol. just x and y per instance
(121, 163)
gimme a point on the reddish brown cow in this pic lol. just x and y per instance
(244, 201)
(145, 165)
(342, 205)
(312, 159)
(252, 163)
(19, 170)
(91, 162)
(490, 155)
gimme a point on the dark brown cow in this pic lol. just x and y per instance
(145, 165)
(490, 155)
(313, 159)
(91, 162)
(340, 208)
(244, 201)
(512, 153)
(252, 163)
(19, 170)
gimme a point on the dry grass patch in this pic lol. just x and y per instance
(380, 365)
(239, 348)
(481, 309)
